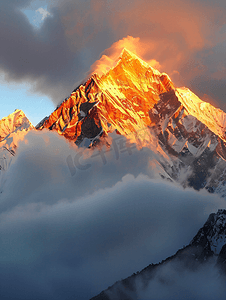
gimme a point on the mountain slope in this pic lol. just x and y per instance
(189, 149)
(213, 118)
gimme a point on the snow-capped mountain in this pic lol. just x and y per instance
(186, 134)
(15, 122)
(122, 99)
(137, 101)
(208, 247)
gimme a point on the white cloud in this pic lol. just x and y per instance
(44, 13)
(64, 235)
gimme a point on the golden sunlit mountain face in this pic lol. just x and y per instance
(13, 122)
(118, 100)
(131, 98)
(134, 88)
(13, 130)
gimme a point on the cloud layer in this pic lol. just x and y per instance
(65, 236)
(186, 38)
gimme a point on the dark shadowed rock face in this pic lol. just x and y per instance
(221, 261)
(208, 246)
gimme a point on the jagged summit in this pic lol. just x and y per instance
(127, 58)
(132, 71)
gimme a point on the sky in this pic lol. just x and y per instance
(49, 47)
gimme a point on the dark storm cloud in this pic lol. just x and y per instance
(36, 56)
(185, 37)
(65, 237)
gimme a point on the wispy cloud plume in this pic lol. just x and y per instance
(43, 12)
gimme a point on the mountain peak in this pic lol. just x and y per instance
(122, 97)
(131, 62)
(128, 56)
(14, 121)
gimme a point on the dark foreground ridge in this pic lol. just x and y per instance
(208, 246)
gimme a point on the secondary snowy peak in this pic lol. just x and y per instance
(12, 130)
(13, 122)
